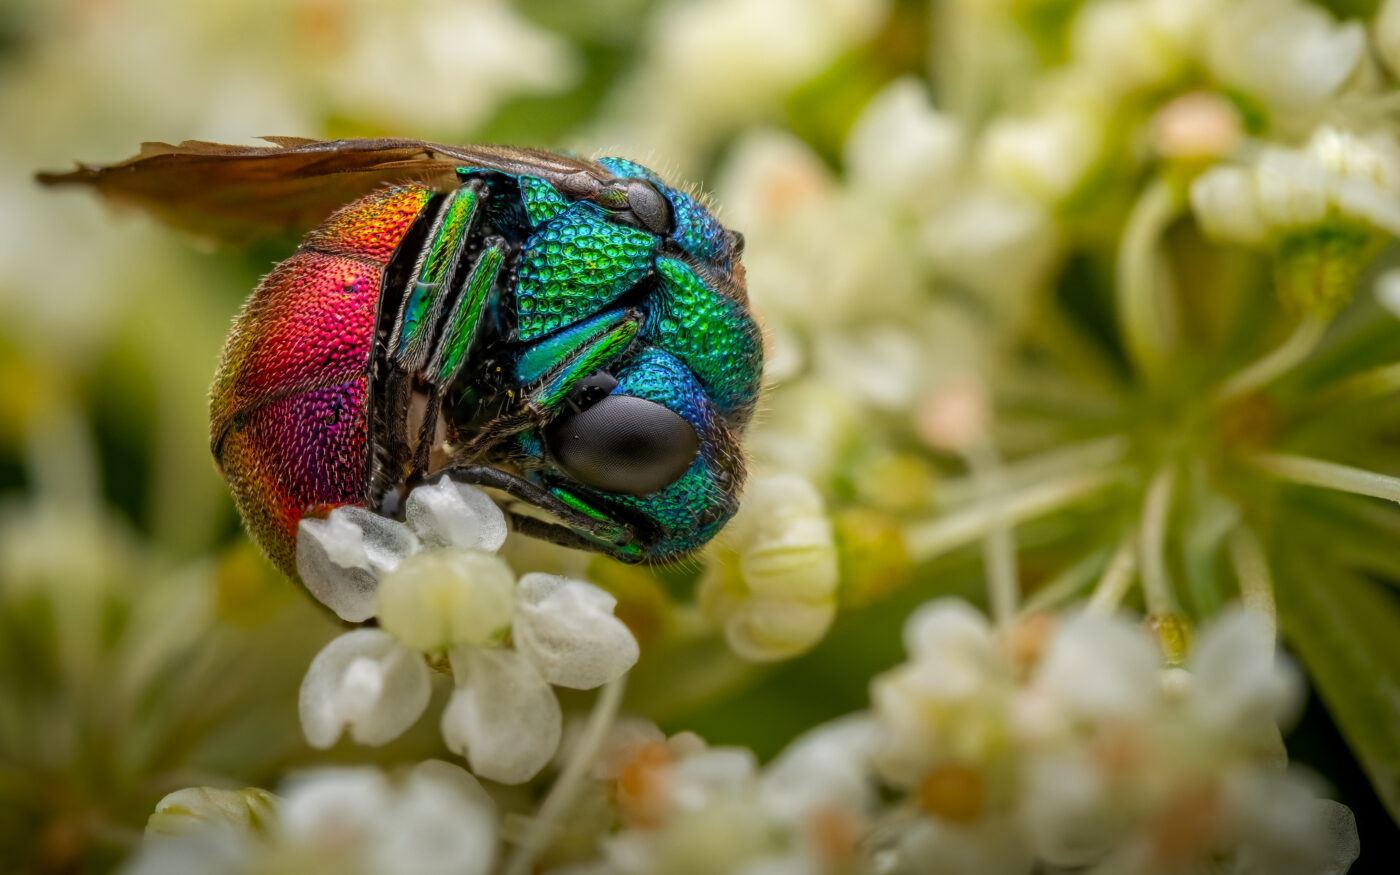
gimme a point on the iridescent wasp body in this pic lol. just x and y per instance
(572, 333)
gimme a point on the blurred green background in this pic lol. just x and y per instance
(144, 644)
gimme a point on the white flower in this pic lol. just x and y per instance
(1126, 45)
(994, 241)
(903, 151)
(507, 642)
(947, 703)
(407, 65)
(819, 255)
(566, 628)
(341, 558)
(1386, 34)
(1337, 175)
(772, 586)
(710, 65)
(436, 821)
(241, 812)
(1388, 291)
(1238, 682)
(440, 598)
(1289, 54)
(828, 766)
(995, 847)
(503, 716)
(431, 819)
(1099, 668)
(364, 681)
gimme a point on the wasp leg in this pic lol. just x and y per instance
(610, 535)
(410, 342)
(539, 529)
(450, 352)
(554, 367)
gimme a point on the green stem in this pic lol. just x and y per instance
(932, 538)
(1067, 584)
(1060, 462)
(1146, 313)
(1287, 356)
(1328, 475)
(999, 540)
(569, 784)
(1117, 578)
(1373, 383)
(1252, 570)
(1152, 537)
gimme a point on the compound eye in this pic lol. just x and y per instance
(649, 206)
(623, 444)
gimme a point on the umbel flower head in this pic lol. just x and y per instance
(439, 590)
(430, 819)
(1064, 740)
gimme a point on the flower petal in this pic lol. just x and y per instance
(440, 598)
(364, 681)
(329, 806)
(503, 717)
(763, 630)
(441, 822)
(198, 808)
(451, 514)
(566, 628)
(340, 558)
(1100, 667)
(1238, 682)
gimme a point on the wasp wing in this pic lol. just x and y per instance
(235, 193)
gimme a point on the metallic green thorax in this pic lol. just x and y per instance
(576, 264)
(711, 333)
(435, 269)
(453, 352)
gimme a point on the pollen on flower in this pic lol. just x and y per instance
(952, 792)
(642, 793)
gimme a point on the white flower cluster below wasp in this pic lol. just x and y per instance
(437, 589)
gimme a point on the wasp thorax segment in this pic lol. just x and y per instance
(576, 265)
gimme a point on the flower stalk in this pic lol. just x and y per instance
(1328, 475)
(570, 783)
(1145, 310)
(1279, 361)
(1152, 535)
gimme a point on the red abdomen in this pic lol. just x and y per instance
(288, 413)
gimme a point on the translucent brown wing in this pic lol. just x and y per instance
(240, 192)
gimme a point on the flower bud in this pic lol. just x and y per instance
(773, 584)
(250, 810)
(437, 599)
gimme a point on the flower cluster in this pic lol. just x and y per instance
(430, 819)
(438, 590)
(1063, 741)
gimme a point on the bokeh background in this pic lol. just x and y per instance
(145, 645)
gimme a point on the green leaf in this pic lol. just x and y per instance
(1346, 629)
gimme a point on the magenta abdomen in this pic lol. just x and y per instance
(288, 407)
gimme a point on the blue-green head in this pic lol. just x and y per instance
(635, 350)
